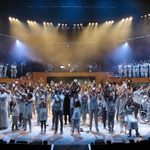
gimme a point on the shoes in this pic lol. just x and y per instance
(137, 135)
(72, 134)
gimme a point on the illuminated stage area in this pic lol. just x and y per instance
(86, 137)
(75, 59)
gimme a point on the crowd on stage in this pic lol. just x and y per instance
(71, 103)
(134, 69)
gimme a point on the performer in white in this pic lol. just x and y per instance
(1, 70)
(125, 70)
(120, 70)
(14, 70)
(137, 70)
(129, 70)
(3, 108)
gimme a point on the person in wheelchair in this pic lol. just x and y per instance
(131, 122)
(144, 103)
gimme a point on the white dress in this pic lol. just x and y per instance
(3, 111)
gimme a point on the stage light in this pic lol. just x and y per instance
(81, 24)
(78, 25)
(16, 20)
(51, 23)
(141, 16)
(10, 19)
(58, 24)
(34, 22)
(44, 23)
(13, 19)
(47, 23)
(62, 67)
(96, 24)
(112, 21)
(65, 25)
(93, 24)
(90, 24)
(148, 15)
(62, 24)
(145, 16)
(123, 19)
(130, 18)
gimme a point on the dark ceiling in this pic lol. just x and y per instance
(73, 11)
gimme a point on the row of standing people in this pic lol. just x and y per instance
(70, 102)
(141, 69)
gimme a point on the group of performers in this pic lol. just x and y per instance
(12, 70)
(135, 69)
(71, 103)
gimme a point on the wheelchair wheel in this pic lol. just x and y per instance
(143, 117)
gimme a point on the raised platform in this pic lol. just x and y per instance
(86, 137)
(99, 77)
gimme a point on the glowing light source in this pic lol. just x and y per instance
(90, 24)
(44, 23)
(130, 18)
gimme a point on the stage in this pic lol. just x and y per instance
(86, 137)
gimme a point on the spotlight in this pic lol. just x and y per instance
(90, 24)
(148, 15)
(141, 16)
(78, 25)
(34, 22)
(51, 23)
(65, 25)
(28, 21)
(130, 18)
(13, 19)
(127, 19)
(10, 18)
(81, 24)
(44, 23)
(123, 19)
(106, 22)
(62, 24)
(58, 24)
(96, 24)
(112, 21)
(16, 20)
(145, 16)
(47, 23)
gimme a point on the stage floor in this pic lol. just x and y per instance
(86, 137)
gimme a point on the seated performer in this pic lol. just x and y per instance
(130, 119)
